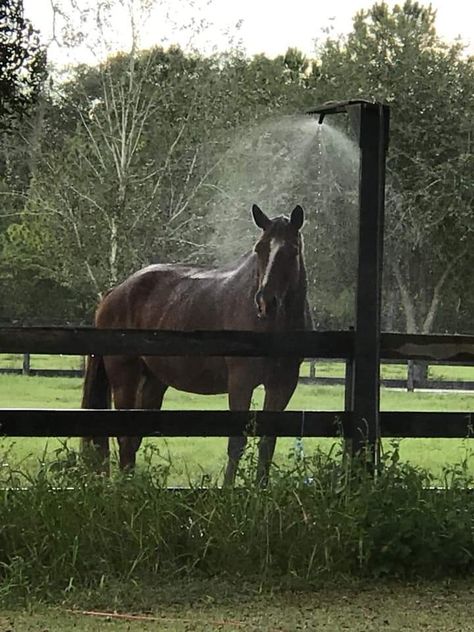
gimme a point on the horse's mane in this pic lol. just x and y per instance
(225, 267)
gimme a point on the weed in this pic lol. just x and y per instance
(322, 517)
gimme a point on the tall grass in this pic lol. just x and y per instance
(321, 518)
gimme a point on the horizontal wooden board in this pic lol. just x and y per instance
(438, 348)
(84, 341)
(427, 424)
(430, 384)
(192, 423)
(318, 344)
(455, 385)
(77, 423)
(43, 372)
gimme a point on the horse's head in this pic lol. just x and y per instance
(279, 253)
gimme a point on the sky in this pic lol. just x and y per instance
(264, 26)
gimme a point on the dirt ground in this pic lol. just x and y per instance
(429, 607)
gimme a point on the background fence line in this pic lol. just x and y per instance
(313, 377)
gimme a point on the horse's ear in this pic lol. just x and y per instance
(297, 217)
(260, 218)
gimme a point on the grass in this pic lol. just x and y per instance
(188, 606)
(206, 457)
(69, 534)
(229, 559)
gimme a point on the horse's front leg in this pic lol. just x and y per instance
(240, 389)
(278, 392)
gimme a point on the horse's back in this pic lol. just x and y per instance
(173, 297)
(170, 297)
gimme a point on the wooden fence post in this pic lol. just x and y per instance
(26, 364)
(372, 120)
(417, 374)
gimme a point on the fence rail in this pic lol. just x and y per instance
(449, 349)
(85, 341)
(430, 384)
(313, 378)
(223, 423)
(42, 372)
(400, 383)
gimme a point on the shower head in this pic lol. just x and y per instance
(358, 109)
(336, 107)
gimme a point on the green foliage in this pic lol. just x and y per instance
(320, 519)
(127, 173)
(149, 156)
(23, 64)
(394, 55)
(22, 79)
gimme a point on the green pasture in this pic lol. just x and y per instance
(192, 460)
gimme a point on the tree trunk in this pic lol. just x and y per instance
(113, 253)
(418, 370)
(407, 301)
(415, 369)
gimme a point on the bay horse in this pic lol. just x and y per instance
(265, 290)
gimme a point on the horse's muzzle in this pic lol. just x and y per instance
(266, 306)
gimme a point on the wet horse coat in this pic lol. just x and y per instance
(265, 290)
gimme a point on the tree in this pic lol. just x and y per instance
(22, 77)
(395, 55)
(99, 202)
(152, 155)
(134, 177)
(22, 64)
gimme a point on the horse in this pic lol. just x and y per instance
(265, 290)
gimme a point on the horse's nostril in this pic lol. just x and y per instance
(266, 304)
(261, 308)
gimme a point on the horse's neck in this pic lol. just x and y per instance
(296, 302)
(247, 271)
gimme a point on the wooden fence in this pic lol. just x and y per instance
(428, 383)
(28, 369)
(81, 341)
(362, 349)
(407, 383)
